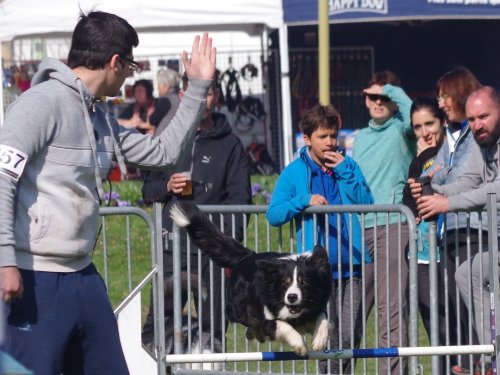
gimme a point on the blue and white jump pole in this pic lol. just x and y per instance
(331, 354)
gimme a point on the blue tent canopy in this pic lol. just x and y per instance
(343, 11)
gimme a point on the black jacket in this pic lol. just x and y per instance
(418, 165)
(220, 175)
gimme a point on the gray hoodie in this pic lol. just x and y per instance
(452, 169)
(49, 179)
(479, 176)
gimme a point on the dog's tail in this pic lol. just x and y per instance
(224, 250)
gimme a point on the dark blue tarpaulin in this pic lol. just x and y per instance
(306, 11)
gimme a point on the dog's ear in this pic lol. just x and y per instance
(320, 251)
(267, 264)
(319, 258)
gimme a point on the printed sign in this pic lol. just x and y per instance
(12, 162)
(465, 2)
(296, 11)
(340, 6)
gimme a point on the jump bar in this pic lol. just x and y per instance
(332, 354)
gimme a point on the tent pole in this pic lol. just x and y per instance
(265, 94)
(324, 52)
(285, 97)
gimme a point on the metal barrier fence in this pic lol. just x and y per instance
(238, 355)
(152, 228)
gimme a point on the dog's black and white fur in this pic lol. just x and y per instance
(194, 341)
(276, 296)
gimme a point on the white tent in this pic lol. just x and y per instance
(31, 17)
(55, 18)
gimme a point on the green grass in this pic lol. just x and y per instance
(276, 239)
(117, 243)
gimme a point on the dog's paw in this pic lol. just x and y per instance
(250, 334)
(287, 334)
(300, 349)
(320, 340)
(260, 339)
(320, 336)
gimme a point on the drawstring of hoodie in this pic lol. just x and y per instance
(93, 146)
(118, 153)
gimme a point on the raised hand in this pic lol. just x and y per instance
(203, 58)
(373, 89)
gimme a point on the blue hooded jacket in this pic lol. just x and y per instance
(292, 195)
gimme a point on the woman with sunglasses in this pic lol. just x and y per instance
(384, 150)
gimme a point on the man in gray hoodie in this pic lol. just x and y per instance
(481, 170)
(56, 146)
(481, 176)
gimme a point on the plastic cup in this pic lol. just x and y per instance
(188, 189)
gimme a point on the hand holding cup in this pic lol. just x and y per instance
(180, 183)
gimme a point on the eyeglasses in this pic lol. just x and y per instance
(442, 98)
(376, 97)
(133, 65)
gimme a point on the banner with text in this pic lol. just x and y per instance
(306, 11)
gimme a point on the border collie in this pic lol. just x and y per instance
(276, 296)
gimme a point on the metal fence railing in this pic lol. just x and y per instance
(455, 342)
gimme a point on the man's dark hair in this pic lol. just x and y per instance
(385, 77)
(320, 116)
(147, 84)
(97, 37)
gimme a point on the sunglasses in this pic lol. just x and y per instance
(133, 65)
(376, 97)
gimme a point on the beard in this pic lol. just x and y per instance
(485, 141)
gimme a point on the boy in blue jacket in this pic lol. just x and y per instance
(322, 175)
